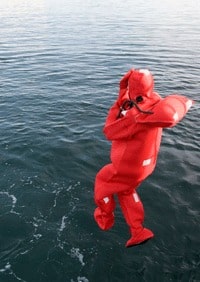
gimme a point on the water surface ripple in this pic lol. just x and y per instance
(61, 62)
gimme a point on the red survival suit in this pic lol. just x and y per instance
(134, 125)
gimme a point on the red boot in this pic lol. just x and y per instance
(139, 238)
(104, 220)
(133, 212)
(104, 213)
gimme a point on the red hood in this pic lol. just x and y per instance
(140, 83)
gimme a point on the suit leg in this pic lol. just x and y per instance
(133, 211)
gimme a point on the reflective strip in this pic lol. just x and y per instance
(135, 197)
(188, 104)
(124, 112)
(146, 162)
(144, 71)
(175, 116)
(106, 200)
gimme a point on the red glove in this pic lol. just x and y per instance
(124, 81)
(123, 86)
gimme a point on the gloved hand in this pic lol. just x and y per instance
(124, 81)
(123, 88)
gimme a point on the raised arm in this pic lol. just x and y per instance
(168, 112)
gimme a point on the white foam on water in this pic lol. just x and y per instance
(37, 236)
(75, 253)
(63, 225)
(6, 267)
(56, 192)
(80, 279)
(69, 188)
(59, 190)
(13, 198)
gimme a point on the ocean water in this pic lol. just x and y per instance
(61, 62)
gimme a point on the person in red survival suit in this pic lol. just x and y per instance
(134, 125)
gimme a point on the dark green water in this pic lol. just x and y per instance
(61, 62)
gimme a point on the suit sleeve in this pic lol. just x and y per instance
(168, 112)
(121, 128)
